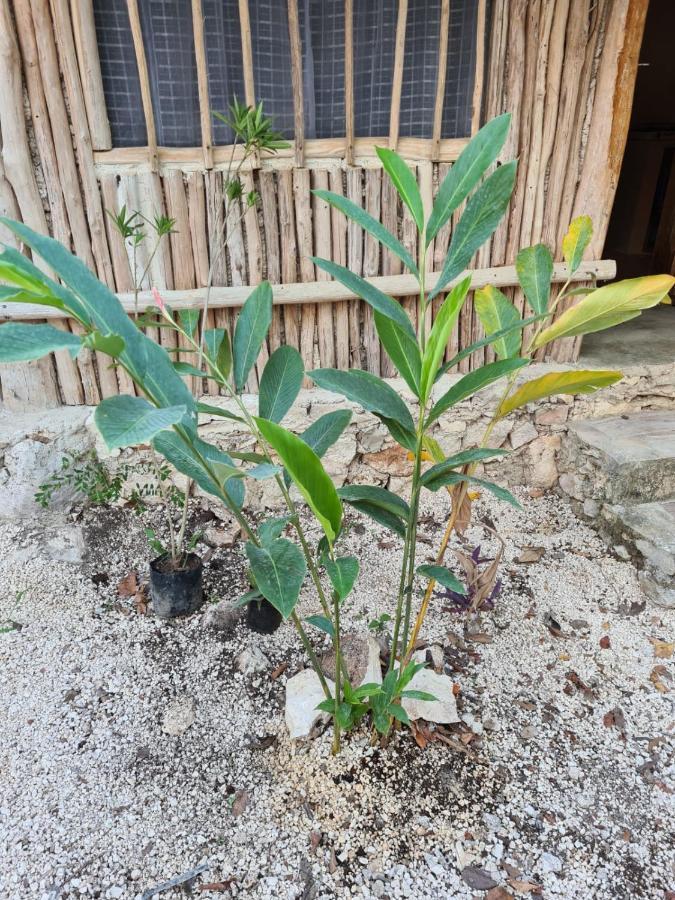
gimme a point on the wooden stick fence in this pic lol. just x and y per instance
(564, 70)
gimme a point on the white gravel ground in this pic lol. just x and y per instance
(96, 800)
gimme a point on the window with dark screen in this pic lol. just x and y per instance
(168, 37)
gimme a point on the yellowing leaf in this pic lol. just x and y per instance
(496, 312)
(572, 382)
(607, 306)
(576, 240)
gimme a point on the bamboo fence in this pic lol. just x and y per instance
(565, 69)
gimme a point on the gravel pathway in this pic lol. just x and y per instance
(565, 789)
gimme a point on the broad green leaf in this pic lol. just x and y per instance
(483, 342)
(209, 410)
(496, 313)
(457, 460)
(402, 435)
(480, 218)
(126, 421)
(452, 478)
(372, 295)
(443, 576)
(280, 383)
(398, 713)
(445, 321)
(534, 267)
(464, 175)
(342, 572)
(419, 695)
(263, 471)
(186, 368)
(310, 477)
(608, 306)
(379, 504)
(369, 391)
(575, 381)
(110, 344)
(97, 307)
(272, 529)
(247, 598)
(323, 624)
(189, 319)
(20, 295)
(472, 382)
(402, 349)
(576, 240)
(249, 332)
(404, 182)
(219, 350)
(279, 569)
(20, 342)
(378, 496)
(323, 433)
(201, 462)
(371, 225)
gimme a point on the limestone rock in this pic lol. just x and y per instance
(443, 710)
(178, 716)
(252, 660)
(226, 536)
(390, 461)
(362, 657)
(303, 694)
(523, 434)
(223, 616)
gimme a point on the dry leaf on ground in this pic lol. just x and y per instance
(530, 555)
(240, 802)
(662, 649)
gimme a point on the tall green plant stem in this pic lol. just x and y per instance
(460, 492)
(338, 672)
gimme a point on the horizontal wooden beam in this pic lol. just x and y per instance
(192, 158)
(322, 291)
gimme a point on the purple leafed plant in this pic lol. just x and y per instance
(482, 586)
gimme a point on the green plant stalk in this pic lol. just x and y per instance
(463, 488)
(312, 655)
(338, 672)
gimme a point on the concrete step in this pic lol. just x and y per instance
(646, 532)
(630, 459)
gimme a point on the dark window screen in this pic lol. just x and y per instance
(170, 51)
(322, 29)
(120, 74)
(460, 72)
(420, 68)
(272, 61)
(374, 40)
(222, 37)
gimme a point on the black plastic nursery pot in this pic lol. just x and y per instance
(262, 617)
(176, 591)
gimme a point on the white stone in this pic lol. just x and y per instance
(252, 660)
(222, 616)
(443, 709)
(549, 863)
(178, 716)
(523, 434)
(303, 694)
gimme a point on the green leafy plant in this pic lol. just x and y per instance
(417, 352)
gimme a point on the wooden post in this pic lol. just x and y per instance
(397, 84)
(247, 52)
(339, 255)
(355, 263)
(296, 77)
(349, 82)
(371, 267)
(203, 83)
(479, 73)
(303, 223)
(268, 196)
(144, 79)
(440, 78)
(325, 326)
(86, 44)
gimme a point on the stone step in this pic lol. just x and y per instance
(646, 531)
(630, 459)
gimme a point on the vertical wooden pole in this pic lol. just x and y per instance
(296, 78)
(144, 79)
(355, 263)
(325, 327)
(268, 196)
(86, 44)
(371, 267)
(440, 78)
(349, 82)
(202, 83)
(339, 255)
(247, 52)
(479, 74)
(397, 83)
(289, 252)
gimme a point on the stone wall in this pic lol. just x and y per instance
(32, 446)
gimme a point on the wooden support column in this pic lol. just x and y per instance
(86, 44)
(144, 79)
(397, 84)
(203, 83)
(349, 82)
(296, 77)
(479, 73)
(247, 52)
(440, 77)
